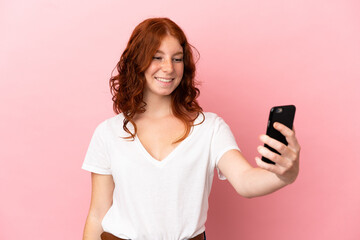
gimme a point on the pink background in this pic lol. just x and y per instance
(55, 61)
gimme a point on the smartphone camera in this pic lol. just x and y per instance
(278, 110)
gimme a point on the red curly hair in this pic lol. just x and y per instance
(127, 86)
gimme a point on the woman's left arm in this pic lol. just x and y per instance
(267, 178)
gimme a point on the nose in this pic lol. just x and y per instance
(167, 65)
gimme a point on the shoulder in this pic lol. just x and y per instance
(211, 121)
(113, 125)
(111, 121)
(211, 117)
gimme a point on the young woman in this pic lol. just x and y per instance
(152, 164)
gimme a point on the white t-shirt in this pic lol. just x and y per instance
(162, 200)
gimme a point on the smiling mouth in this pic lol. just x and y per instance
(166, 80)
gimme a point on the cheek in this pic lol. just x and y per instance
(151, 70)
(180, 70)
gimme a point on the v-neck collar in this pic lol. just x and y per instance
(174, 151)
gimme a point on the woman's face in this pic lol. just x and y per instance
(166, 69)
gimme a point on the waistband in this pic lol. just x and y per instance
(109, 236)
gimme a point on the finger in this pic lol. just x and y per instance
(275, 144)
(270, 167)
(272, 156)
(285, 151)
(288, 133)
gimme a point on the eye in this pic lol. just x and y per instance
(157, 58)
(177, 59)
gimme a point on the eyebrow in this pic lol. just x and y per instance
(159, 51)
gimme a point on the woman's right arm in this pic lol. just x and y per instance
(101, 201)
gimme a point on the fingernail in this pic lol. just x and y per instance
(262, 137)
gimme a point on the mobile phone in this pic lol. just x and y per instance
(281, 114)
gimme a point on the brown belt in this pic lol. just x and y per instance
(109, 236)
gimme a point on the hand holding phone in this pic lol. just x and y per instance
(281, 114)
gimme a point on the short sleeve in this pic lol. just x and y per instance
(223, 141)
(96, 158)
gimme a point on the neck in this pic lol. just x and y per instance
(157, 106)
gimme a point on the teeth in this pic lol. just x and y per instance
(164, 79)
